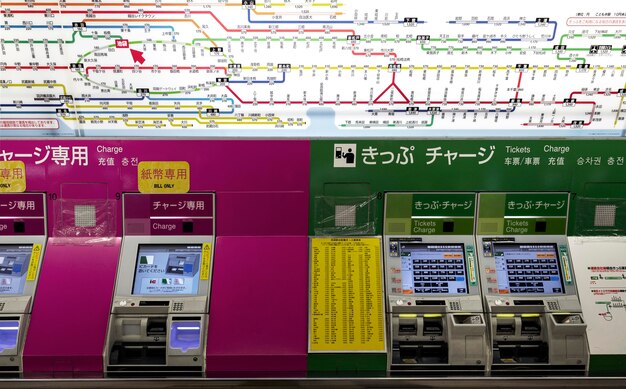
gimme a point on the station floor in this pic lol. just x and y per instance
(310, 383)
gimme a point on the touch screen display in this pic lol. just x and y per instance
(528, 268)
(433, 268)
(14, 260)
(165, 269)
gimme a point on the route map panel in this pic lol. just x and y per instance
(312, 68)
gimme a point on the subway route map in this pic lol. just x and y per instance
(312, 68)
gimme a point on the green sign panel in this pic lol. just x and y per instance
(430, 213)
(593, 171)
(536, 204)
(588, 169)
(523, 213)
(444, 204)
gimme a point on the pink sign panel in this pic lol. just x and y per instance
(261, 194)
(22, 214)
(22, 205)
(168, 214)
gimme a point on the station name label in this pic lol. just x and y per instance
(163, 177)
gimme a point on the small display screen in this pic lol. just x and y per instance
(14, 261)
(528, 268)
(433, 268)
(165, 269)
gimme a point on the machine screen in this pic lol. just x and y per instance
(164, 269)
(14, 260)
(433, 268)
(528, 268)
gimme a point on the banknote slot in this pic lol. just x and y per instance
(433, 326)
(531, 326)
(156, 326)
(505, 327)
(407, 329)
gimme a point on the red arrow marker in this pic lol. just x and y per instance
(137, 56)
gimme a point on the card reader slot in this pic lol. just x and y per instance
(148, 303)
(430, 302)
(156, 326)
(528, 302)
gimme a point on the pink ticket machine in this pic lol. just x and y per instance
(159, 314)
(22, 242)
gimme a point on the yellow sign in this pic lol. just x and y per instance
(205, 266)
(163, 177)
(12, 177)
(34, 263)
(346, 309)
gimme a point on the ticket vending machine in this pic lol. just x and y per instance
(530, 293)
(434, 305)
(22, 243)
(159, 314)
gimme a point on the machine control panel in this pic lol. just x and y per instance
(159, 313)
(433, 292)
(527, 274)
(530, 295)
(23, 238)
(432, 274)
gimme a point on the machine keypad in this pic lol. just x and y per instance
(437, 274)
(553, 305)
(528, 275)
